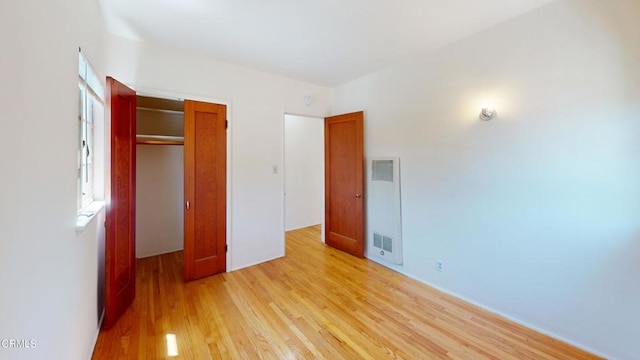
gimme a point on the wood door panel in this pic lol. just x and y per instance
(345, 243)
(120, 217)
(121, 200)
(205, 189)
(205, 194)
(343, 195)
(344, 182)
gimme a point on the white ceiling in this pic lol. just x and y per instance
(326, 42)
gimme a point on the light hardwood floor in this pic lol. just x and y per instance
(314, 303)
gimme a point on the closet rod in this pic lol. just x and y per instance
(159, 140)
(177, 112)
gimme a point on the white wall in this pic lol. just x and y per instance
(48, 272)
(159, 199)
(534, 214)
(304, 171)
(258, 103)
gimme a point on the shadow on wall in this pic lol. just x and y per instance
(615, 39)
(615, 290)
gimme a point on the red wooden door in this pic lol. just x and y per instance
(120, 269)
(205, 189)
(344, 182)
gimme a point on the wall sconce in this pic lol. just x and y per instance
(488, 113)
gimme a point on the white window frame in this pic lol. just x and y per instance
(90, 169)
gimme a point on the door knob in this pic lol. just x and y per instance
(358, 196)
(188, 205)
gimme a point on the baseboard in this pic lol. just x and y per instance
(95, 338)
(302, 227)
(255, 263)
(397, 269)
(161, 252)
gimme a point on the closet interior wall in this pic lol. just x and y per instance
(159, 177)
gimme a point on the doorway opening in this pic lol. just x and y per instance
(336, 172)
(303, 172)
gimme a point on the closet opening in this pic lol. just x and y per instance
(168, 188)
(159, 176)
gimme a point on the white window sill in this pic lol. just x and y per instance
(86, 215)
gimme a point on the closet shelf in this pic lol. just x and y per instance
(159, 140)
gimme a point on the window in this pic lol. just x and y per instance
(90, 134)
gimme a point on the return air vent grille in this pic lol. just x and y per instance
(377, 240)
(382, 170)
(387, 244)
(383, 242)
(384, 217)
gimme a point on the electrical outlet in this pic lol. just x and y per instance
(439, 265)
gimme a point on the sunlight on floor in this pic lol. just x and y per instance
(172, 345)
